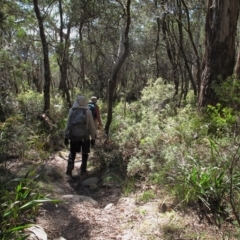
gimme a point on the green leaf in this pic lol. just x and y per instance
(21, 32)
(18, 228)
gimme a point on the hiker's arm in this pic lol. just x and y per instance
(98, 116)
(91, 124)
(67, 125)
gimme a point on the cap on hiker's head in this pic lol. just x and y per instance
(93, 99)
(81, 102)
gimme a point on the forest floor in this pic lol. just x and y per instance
(96, 209)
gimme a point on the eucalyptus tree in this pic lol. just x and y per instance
(219, 56)
(85, 14)
(47, 72)
(97, 24)
(62, 48)
(123, 51)
(180, 22)
(237, 67)
(140, 64)
(23, 40)
(174, 44)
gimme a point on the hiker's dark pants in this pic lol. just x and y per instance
(75, 147)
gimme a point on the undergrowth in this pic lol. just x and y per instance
(177, 148)
(19, 203)
(25, 137)
(156, 139)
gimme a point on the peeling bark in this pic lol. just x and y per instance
(219, 56)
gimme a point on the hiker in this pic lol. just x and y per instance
(95, 112)
(80, 127)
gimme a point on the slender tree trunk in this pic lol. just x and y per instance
(171, 52)
(47, 72)
(63, 60)
(183, 55)
(237, 67)
(122, 55)
(195, 85)
(156, 48)
(219, 56)
(82, 66)
(157, 41)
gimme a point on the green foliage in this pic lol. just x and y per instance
(209, 184)
(19, 203)
(229, 93)
(147, 196)
(140, 123)
(221, 119)
(30, 104)
(197, 182)
(12, 130)
(37, 134)
(24, 135)
(129, 186)
(172, 147)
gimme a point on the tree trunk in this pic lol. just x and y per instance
(63, 60)
(219, 55)
(122, 55)
(171, 52)
(47, 72)
(81, 60)
(156, 48)
(157, 42)
(195, 84)
(237, 69)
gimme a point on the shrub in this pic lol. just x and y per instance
(228, 93)
(171, 146)
(210, 184)
(19, 203)
(139, 131)
(147, 196)
(220, 119)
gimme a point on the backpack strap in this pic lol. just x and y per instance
(82, 109)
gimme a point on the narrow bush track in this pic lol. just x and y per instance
(98, 210)
(86, 213)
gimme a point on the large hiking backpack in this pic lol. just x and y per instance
(92, 107)
(78, 125)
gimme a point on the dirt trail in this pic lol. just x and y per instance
(99, 211)
(95, 211)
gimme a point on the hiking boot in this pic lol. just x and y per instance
(84, 173)
(69, 172)
(83, 176)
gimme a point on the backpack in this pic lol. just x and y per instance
(92, 107)
(77, 126)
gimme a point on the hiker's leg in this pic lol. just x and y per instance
(85, 152)
(71, 158)
(96, 127)
(83, 168)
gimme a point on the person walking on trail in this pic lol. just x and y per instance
(80, 130)
(95, 112)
